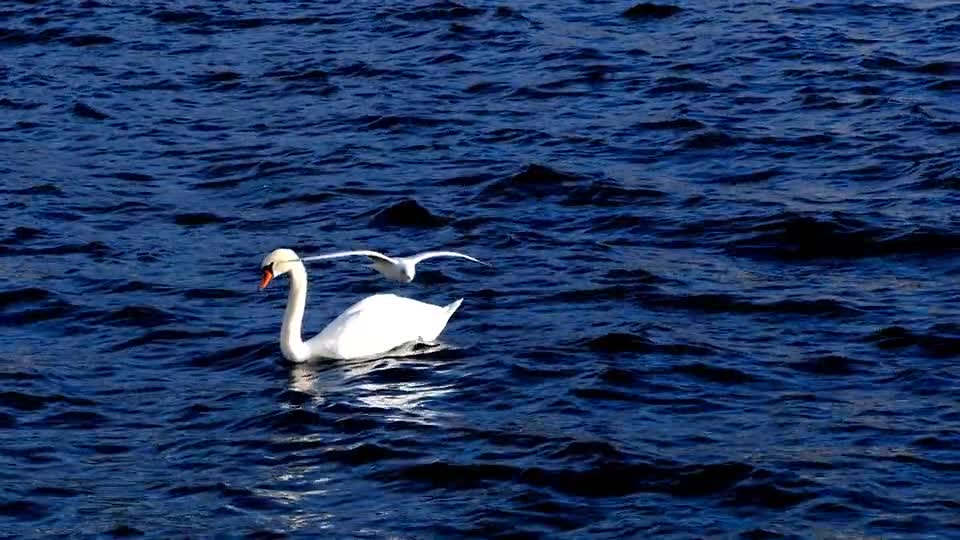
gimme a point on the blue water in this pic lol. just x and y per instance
(723, 304)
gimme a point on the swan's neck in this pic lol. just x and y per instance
(291, 340)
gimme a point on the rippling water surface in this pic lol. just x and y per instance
(724, 301)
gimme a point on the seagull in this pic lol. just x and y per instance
(400, 269)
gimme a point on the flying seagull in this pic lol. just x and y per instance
(400, 269)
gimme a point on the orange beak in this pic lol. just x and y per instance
(267, 276)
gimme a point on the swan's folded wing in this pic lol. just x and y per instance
(380, 323)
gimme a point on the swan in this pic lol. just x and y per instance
(400, 269)
(369, 328)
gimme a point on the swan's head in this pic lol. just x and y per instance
(277, 263)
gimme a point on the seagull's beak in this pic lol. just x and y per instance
(265, 279)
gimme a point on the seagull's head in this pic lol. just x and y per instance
(394, 270)
(277, 263)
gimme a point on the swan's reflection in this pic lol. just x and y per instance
(311, 485)
(396, 399)
(332, 381)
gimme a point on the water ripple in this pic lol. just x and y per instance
(722, 300)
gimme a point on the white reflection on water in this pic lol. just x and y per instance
(408, 400)
(312, 484)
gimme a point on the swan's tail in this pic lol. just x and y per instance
(439, 323)
(451, 308)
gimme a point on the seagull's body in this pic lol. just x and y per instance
(401, 269)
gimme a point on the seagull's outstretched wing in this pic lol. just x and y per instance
(364, 252)
(414, 259)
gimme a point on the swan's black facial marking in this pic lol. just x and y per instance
(267, 267)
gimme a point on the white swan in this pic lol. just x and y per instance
(369, 328)
(396, 268)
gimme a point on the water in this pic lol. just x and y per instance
(724, 298)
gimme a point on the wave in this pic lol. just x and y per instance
(533, 181)
(650, 296)
(831, 365)
(647, 10)
(444, 10)
(793, 236)
(941, 340)
(738, 484)
(408, 213)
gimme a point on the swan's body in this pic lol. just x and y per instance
(401, 269)
(371, 327)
